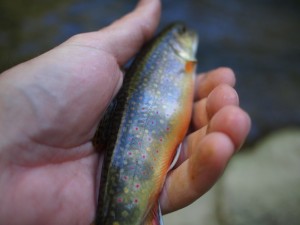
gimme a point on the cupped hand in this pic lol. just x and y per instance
(50, 108)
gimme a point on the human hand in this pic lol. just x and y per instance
(50, 108)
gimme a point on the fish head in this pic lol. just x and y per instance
(184, 41)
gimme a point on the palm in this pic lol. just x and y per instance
(53, 169)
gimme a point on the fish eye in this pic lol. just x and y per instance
(182, 29)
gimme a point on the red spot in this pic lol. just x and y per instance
(120, 200)
(125, 178)
(144, 157)
(160, 139)
(157, 151)
(135, 200)
(168, 128)
(136, 128)
(137, 186)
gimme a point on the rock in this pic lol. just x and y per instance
(262, 186)
(202, 211)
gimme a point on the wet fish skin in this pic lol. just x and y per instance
(144, 126)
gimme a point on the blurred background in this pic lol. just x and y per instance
(258, 39)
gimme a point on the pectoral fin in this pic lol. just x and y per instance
(155, 216)
(176, 157)
(190, 66)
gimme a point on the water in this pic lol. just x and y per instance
(259, 39)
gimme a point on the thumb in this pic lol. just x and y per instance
(123, 38)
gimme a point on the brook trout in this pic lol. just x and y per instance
(143, 128)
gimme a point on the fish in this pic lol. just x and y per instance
(143, 127)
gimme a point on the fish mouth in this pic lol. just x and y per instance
(185, 45)
(186, 55)
(195, 43)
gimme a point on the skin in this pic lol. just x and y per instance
(50, 108)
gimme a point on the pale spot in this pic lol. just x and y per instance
(125, 213)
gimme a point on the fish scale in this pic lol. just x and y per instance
(143, 127)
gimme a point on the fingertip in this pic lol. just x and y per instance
(223, 95)
(232, 121)
(206, 82)
(228, 75)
